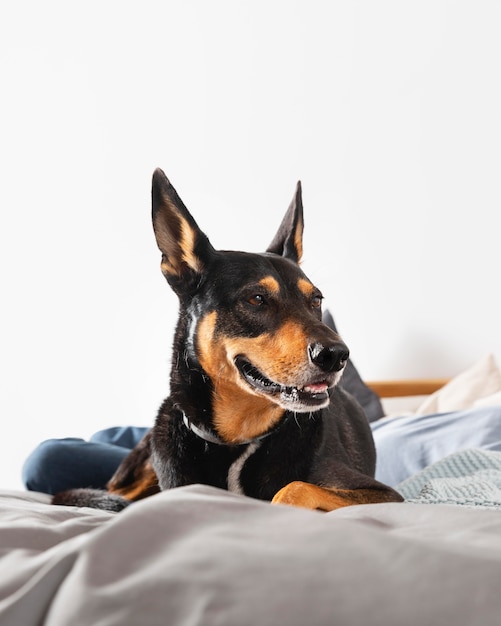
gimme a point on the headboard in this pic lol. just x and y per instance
(402, 388)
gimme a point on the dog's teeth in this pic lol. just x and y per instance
(291, 392)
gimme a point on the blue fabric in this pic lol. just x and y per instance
(123, 436)
(406, 445)
(59, 464)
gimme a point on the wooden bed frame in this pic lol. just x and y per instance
(402, 388)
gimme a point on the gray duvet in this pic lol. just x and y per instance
(197, 555)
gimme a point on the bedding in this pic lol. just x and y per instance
(408, 444)
(478, 385)
(470, 477)
(198, 555)
(464, 413)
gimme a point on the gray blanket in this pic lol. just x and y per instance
(198, 555)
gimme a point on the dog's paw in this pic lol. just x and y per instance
(306, 495)
(93, 498)
(311, 496)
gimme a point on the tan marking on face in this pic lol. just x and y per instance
(241, 412)
(305, 287)
(280, 356)
(240, 416)
(270, 283)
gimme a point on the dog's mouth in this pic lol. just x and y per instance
(313, 395)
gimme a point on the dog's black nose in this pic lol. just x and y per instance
(330, 358)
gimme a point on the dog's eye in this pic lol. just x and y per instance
(316, 302)
(256, 300)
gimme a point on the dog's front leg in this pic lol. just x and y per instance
(310, 496)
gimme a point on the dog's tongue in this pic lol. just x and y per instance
(316, 388)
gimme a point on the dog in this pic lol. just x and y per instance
(255, 405)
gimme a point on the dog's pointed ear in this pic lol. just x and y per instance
(288, 241)
(185, 249)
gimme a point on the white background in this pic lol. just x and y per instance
(388, 111)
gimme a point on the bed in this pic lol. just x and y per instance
(199, 555)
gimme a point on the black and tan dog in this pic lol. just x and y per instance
(254, 404)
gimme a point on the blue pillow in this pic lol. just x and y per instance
(406, 445)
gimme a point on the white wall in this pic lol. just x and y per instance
(388, 111)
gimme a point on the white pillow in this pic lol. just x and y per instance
(493, 400)
(464, 391)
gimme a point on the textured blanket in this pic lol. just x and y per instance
(197, 555)
(470, 478)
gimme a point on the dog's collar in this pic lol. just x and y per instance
(211, 437)
(204, 434)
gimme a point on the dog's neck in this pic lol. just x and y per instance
(222, 413)
(211, 437)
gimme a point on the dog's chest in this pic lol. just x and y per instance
(236, 467)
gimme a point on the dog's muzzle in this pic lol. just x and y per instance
(326, 365)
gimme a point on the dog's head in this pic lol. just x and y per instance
(255, 320)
